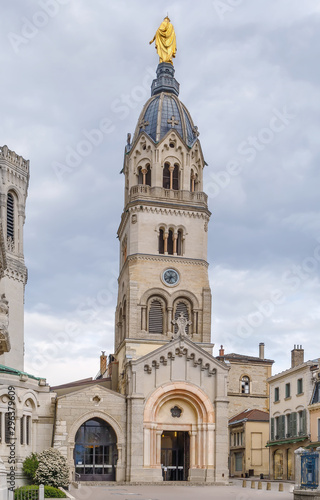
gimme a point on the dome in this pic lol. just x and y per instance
(164, 111)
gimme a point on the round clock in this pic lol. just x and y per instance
(170, 277)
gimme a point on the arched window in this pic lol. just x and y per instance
(144, 176)
(166, 176)
(161, 241)
(179, 242)
(124, 321)
(10, 217)
(120, 325)
(245, 385)
(175, 180)
(181, 307)
(170, 242)
(193, 182)
(155, 320)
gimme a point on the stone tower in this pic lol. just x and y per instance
(163, 229)
(13, 194)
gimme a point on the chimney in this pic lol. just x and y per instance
(261, 350)
(297, 356)
(221, 351)
(103, 362)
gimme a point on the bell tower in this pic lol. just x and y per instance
(13, 194)
(163, 229)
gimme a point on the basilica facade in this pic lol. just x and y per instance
(158, 411)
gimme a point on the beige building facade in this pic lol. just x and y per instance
(290, 395)
(247, 381)
(248, 436)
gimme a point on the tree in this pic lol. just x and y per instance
(53, 469)
(30, 466)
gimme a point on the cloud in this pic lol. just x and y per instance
(84, 65)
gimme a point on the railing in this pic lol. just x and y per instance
(31, 493)
(144, 191)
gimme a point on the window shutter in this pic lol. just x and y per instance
(282, 427)
(155, 317)
(290, 425)
(181, 308)
(272, 430)
(294, 423)
(304, 421)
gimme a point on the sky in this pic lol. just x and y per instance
(249, 74)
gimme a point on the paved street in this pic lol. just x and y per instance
(167, 492)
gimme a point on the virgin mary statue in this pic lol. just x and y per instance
(165, 38)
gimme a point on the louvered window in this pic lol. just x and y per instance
(181, 308)
(10, 217)
(155, 317)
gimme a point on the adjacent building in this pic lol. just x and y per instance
(247, 381)
(290, 395)
(248, 436)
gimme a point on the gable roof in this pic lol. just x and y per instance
(184, 346)
(243, 358)
(250, 416)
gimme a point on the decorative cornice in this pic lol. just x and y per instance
(180, 351)
(15, 160)
(16, 270)
(137, 208)
(167, 258)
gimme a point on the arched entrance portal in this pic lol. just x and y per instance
(179, 432)
(95, 452)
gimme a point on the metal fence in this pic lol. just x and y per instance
(32, 493)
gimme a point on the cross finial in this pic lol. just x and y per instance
(143, 124)
(173, 121)
(195, 131)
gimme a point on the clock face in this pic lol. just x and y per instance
(170, 277)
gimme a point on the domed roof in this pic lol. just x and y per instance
(164, 111)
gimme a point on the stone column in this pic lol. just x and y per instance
(144, 173)
(175, 237)
(193, 435)
(21, 218)
(158, 448)
(171, 169)
(169, 319)
(192, 183)
(144, 318)
(166, 235)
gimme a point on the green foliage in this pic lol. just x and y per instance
(53, 469)
(49, 492)
(30, 466)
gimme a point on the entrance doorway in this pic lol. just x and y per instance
(175, 455)
(95, 452)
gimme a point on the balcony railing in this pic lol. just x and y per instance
(147, 192)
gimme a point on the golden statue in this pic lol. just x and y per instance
(165, 38)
